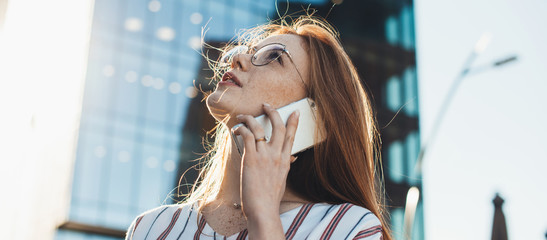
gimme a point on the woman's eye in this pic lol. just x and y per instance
(275, 55)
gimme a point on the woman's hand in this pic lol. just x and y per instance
(265, 165)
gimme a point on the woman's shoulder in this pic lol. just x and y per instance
(157, 219)
(170, 208)
(343, 221)
(344, 210)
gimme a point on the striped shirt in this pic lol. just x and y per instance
(310, 221)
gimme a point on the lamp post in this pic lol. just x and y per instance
(412, 198)
(466, 70)
(413, 192)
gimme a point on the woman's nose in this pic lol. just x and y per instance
(242, 61)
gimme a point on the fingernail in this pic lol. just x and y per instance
(239, 116)
(297, 113)
(266, 105)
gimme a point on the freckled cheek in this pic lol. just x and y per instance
(278, 89)
(280, 96)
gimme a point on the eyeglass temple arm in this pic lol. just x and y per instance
(294, 65)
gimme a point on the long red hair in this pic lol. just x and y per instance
(346, 166)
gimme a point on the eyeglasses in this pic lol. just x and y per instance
(263, 56)
(266, 54)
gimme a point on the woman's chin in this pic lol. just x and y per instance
(220, 110)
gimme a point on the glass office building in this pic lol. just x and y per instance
(143, 119)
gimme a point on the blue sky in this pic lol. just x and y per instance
(494, 135)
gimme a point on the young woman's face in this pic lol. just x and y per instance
(277, 83)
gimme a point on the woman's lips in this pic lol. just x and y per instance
(230, 79)
(228, 83)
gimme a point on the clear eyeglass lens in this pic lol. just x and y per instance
(268, 54)
(229, 55)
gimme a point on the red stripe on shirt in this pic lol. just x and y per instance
(166, 232)
(201, 225)
(335, 220)
(368, 232)
(242, 235)
(298, 221)
(136, 224)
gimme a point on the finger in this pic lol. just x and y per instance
(255, 128)
(278, 128)
(248, 140)
(292, 125)
(293, 159)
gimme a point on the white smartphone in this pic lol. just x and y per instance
(305, 133)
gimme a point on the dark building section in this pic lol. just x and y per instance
(193, 145)
(198, 128)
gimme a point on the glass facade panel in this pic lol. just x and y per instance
(394, 93)
(402, 158)
(82, 210)
(397, 221)
(89, 169)
(418, 230)
(412, 145)
(396, 162)
(126, 100)
(392, 30)
(410, 91)
(120, 170)
(407, 23)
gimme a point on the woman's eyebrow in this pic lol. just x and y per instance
(261, 45)
(255, 47)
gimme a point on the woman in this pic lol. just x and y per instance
(329, 191)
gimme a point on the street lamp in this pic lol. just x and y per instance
(413, 192)
(466, 70)
(412, 198)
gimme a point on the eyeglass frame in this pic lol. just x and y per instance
(246, 50)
